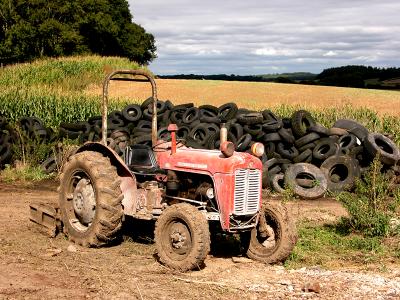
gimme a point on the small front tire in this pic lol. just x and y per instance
(182, 237)
(272, 240)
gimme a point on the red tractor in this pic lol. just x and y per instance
(186, 191)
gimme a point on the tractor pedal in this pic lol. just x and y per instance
(47, 217)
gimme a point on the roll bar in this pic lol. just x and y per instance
(148, 78)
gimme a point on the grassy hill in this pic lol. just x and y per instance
(54, 89)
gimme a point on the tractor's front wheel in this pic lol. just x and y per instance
(182, 237)
(90, 199)
(274, 237)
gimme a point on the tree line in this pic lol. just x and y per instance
(346, 76)
(42, 28)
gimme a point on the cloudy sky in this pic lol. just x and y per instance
(269, 36)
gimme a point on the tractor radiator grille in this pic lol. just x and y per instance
(247, 191)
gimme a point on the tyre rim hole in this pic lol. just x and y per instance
(339, 173)
(384, 146)
(303, 176)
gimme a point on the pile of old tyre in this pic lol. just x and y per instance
(300, 154)
(5, 142)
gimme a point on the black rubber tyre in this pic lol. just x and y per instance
(306, 171)
(271, 122)
(210, 108)
(347, 141)
(164, 134)
(146, 103)
(5, 153)
(132, 113)
(237, 130)
(334, 131)
(191, 114)
(148, 115)
(49, 165)
(169, 104)
(207, 116)
(325, 148)
(378, 144)
(64, 133)
(340, 171)
(275, 236)
(301, 121)
(90, 199)
(254, 129)
(200, 134)
(310, 146)
(176, 117)
(250, 118)
(287, 151)
(214, 140)
(278, 183)
(227, 111)
(144, 139)
(143, 126)
(243, 143)
(304, 156)
(272, 137)
(183, 107)
(269, 148)
(182, 237)
(353, 127)
(182, 132)
(287, 135)
(309, 138)
(161, 107)
(318, 128)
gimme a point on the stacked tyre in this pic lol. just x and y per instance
(300, 153)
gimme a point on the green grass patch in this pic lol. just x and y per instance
(333, 246)
(23, 173)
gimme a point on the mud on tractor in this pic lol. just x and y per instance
(190, 193)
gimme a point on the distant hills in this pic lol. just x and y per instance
(346, 76)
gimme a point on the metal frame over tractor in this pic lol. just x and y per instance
(190, 193)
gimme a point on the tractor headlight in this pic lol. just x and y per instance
(257, 149)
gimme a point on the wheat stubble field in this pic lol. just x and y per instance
(259, 95)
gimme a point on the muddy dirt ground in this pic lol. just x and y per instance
(33, 266)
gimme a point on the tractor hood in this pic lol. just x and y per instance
(206, 161)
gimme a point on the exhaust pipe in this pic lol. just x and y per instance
(223, 134)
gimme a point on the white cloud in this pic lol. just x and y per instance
(273, 52)
(249, 37)
(330, 53)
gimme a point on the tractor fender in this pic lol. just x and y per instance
(128, 180)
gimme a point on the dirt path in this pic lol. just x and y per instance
(33, 266)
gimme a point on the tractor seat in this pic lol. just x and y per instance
(141, 159)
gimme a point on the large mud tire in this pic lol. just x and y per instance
(99, 178)
(278, 219)
(182, 237)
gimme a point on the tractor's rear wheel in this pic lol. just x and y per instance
(274, 237)
(182, 237)
(90, 199)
